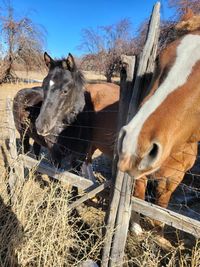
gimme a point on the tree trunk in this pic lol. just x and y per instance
(109, 78)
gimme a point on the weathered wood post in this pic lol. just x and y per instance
(120, 206)
(16, 165)
(146, 63)
(126, 78)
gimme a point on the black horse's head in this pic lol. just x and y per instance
(63, 94)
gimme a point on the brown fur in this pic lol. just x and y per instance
(105, 100)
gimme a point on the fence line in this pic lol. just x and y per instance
(16, 80)
(65, 177)
(85, 154)
(16, 173)
(167, 216)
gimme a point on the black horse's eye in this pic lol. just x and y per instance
(64, 92)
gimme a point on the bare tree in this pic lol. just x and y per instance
(168, 31)
(23, 42)
(105, 45)
(181, 6)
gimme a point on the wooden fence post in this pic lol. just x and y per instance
(128, 64)
(146, 63)
(16, 165)
(126, 87)
(120, 206)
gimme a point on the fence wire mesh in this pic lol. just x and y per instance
(185, 199)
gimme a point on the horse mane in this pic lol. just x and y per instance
(79, 78)
(188, 23)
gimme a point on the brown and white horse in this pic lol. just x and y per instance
(162, 138)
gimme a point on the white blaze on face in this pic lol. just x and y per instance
(51, 83)
(48, 97)
(187, 54)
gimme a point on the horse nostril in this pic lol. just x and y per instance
(154, 151)
(121, 137)
(151, 157)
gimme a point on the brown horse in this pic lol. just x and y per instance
(105, 100)
(85, 121)
(162, 138)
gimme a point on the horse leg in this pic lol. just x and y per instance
(172, 173)
(139, 192)
(169, 177)
(36, 149)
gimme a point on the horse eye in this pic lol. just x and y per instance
(64, 92)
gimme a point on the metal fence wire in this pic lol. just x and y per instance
(185, 200)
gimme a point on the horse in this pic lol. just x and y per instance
(26, 108)
(161, 139)
(85, 116)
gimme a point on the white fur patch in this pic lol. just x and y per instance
(51, 83)
(188, 53)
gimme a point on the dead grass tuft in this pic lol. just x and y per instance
(39, 229)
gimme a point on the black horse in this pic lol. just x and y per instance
(63, 95)
(69, 144)
(72, 121)
(71, 138)
(65, 99)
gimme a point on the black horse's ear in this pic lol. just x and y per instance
(48, 60)
(71, 65)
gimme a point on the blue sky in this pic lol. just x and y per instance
(64, 19)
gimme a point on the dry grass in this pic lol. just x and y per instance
(39, 230)
(31, 74)
(9, 90)
(145, 252)
(95, 77)
(36, 229)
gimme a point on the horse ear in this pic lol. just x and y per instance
(71, 65)
(188, 14)
(48, 60)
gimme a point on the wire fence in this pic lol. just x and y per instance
(185, 200)
(64, 147)
(16, 80)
